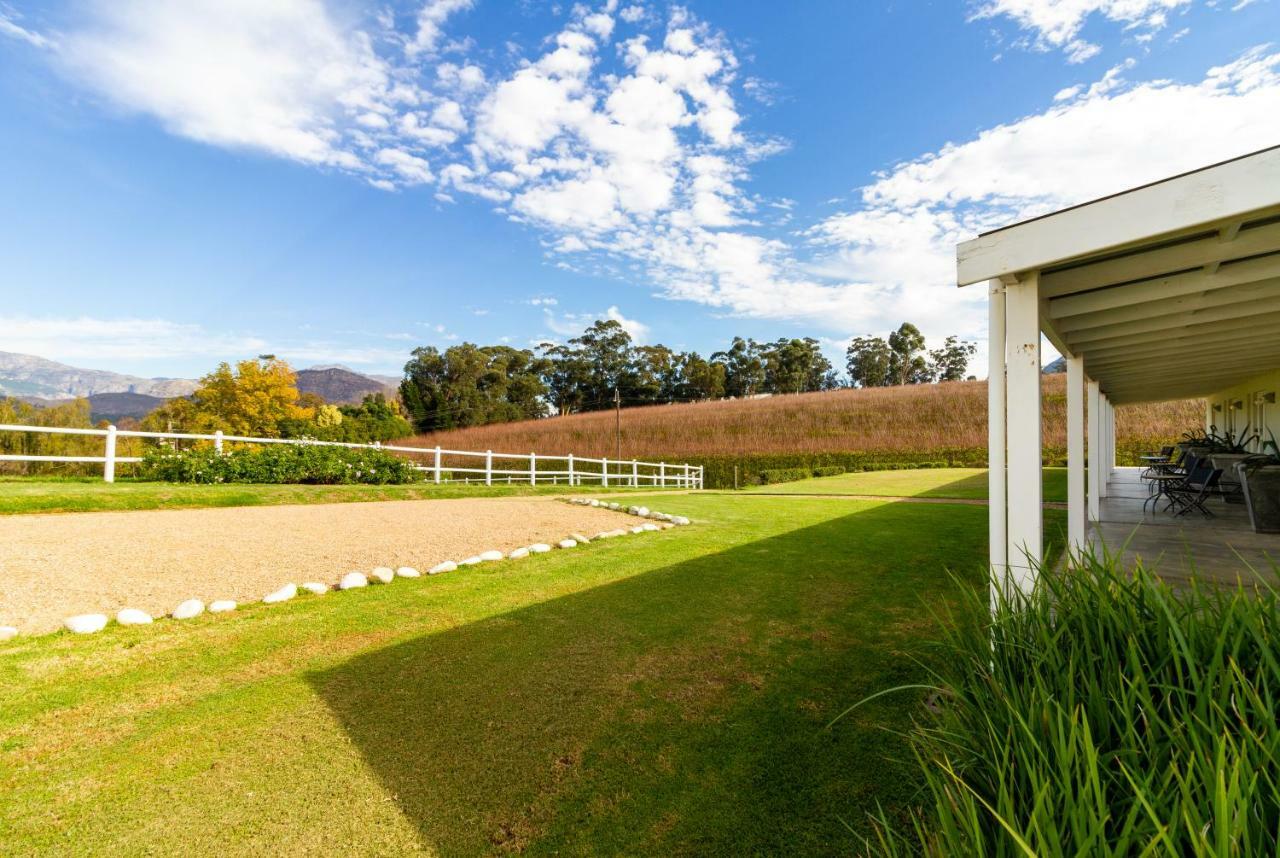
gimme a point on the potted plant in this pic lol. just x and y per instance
(1227, 451)
(1260, 479)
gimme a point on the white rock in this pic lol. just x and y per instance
(470, 561)
(491, 555)
(221, 606)
(595, 502)
(188, 609)
(86, 624)
(315, 588)
(633, 510)
(642, 511)
(8, 633)
(284, 594)
(133, 617)
(518, 553)
(680, 519)
(579, 538)
(383, 574)
(406, 572)
(614, 506)
(666, 525)
(649, 526)
(446, 566)
(637, 529)
(352, 580)
(539, 548)
(567, 543)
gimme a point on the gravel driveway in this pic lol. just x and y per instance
(53, 566)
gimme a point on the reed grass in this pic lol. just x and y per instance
(946, 421)
(1107, 714)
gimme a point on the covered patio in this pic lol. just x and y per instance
(1167, 291)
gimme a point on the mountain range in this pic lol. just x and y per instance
(113, 395)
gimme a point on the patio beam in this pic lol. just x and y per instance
(1259, 335)
(1204, 329)
(1143, 370)
(1225, 313)
(1173, 286)
(1142, 264)
(1256, 290)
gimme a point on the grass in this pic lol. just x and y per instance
(929, 421)
(1107, 714)
(91, 494)
(958, 483)
(665, 694)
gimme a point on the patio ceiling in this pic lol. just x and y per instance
(1167, 291)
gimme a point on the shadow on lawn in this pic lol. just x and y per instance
(677, 711)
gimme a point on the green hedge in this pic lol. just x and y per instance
(278, 463)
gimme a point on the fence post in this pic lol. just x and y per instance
(700, 474)
(217, 441)
(109, 456)
(437, 466)
(604, 472)
(570, 470)
(533, 469)
(662, 474)
(687, 482)
(635, 474)
(488, 467)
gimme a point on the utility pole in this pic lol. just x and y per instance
(617, 423)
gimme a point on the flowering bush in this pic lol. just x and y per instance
(277, 463)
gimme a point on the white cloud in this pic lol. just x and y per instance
(1114, 137)
(1057, 24)
(431, 20)
(10, 27)
(572, 324)
(639, 331)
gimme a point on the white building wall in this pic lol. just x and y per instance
(1254, 404)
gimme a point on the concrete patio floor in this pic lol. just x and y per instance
(1221, 548)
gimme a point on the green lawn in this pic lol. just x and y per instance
(30, 494)
(665, 694)
(961, 483)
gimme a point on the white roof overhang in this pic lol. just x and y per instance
(1166, 291)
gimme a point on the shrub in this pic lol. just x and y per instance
(1107, 714)
(278, 463)
(828, 471)
(784, 475)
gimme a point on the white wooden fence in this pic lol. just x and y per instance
(530, 468)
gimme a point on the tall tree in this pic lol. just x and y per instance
(470, 385)
(950, 362)
(744, 369)
(868, 362)
(251, 399)
(907, 363)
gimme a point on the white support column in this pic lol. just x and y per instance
(1077, 514)
(1096, 480)
(997, 510)
(570, 469)
(436, 468)
(1111, 437)
(1022, 394)
(109, 456)
(1104, 455)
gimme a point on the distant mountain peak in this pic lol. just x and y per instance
(40, 378)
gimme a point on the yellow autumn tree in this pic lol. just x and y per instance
(251, 399)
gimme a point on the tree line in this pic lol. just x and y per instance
(472, 385)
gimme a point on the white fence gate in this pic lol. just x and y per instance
(574, 470)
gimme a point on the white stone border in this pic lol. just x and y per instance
(92, 623)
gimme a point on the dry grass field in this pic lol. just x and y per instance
(932, 422)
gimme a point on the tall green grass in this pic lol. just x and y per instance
(1104, 715)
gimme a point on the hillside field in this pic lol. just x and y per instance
(930, 423)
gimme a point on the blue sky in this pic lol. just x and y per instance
(337, 182)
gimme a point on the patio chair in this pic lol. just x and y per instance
(1191, 493)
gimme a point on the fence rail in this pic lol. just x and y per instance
(575, 470)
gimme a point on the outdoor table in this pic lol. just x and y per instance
(1158, 482)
